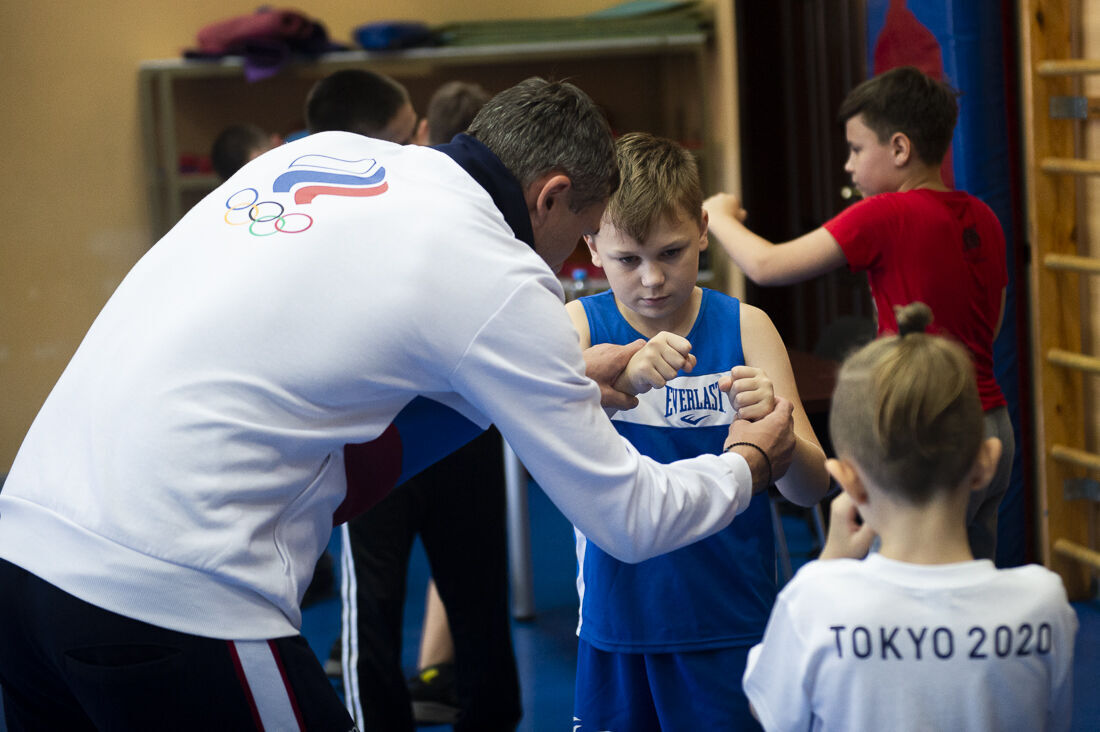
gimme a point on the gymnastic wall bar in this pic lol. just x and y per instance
(1072, 166)
(1078, 552)
(1074, 360)
(1068, 67)
(1071, 263)
(1076, 457)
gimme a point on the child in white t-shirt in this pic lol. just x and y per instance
(920, 635)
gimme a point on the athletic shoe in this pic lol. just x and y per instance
(434, 695)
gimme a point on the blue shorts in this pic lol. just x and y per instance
(662, 692)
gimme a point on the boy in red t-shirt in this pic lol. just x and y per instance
(916, 238)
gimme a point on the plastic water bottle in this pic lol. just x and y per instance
(576, 287)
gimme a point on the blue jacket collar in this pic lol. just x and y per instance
(486, 168)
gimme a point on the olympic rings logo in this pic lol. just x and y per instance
(264, 218)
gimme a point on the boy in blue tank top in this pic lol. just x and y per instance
(663, 643)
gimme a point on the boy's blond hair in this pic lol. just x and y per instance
(658, 178)
(906, 410)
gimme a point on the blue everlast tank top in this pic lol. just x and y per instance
(718, 591)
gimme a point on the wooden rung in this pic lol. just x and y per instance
(1074, 360)
(1072, 166)
(1068, 262)
(1068, 67)
(1077, 457)
(1078, 552)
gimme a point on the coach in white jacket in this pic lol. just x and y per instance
(164, 513)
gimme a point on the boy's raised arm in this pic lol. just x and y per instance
(762, 261)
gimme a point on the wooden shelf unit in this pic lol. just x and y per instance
(653, 83)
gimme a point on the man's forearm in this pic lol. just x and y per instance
(604, 363)
(768, 444)
(759, 464)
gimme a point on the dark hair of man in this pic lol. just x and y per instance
(452, 108)
(354, 100)
(234, 146)
(539, 126)
(906, 100)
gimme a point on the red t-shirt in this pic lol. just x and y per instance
(945, 249)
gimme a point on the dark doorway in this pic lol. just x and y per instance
(798, 59)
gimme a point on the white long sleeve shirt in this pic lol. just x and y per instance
(186, 467)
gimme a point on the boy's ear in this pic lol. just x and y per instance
(985, 464)
(420, 134)
(845, 473)
(704, 239)
(590, 241)
(902, 148)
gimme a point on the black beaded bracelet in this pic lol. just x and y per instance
(767, 460)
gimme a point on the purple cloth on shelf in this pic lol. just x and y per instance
(266, 39)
